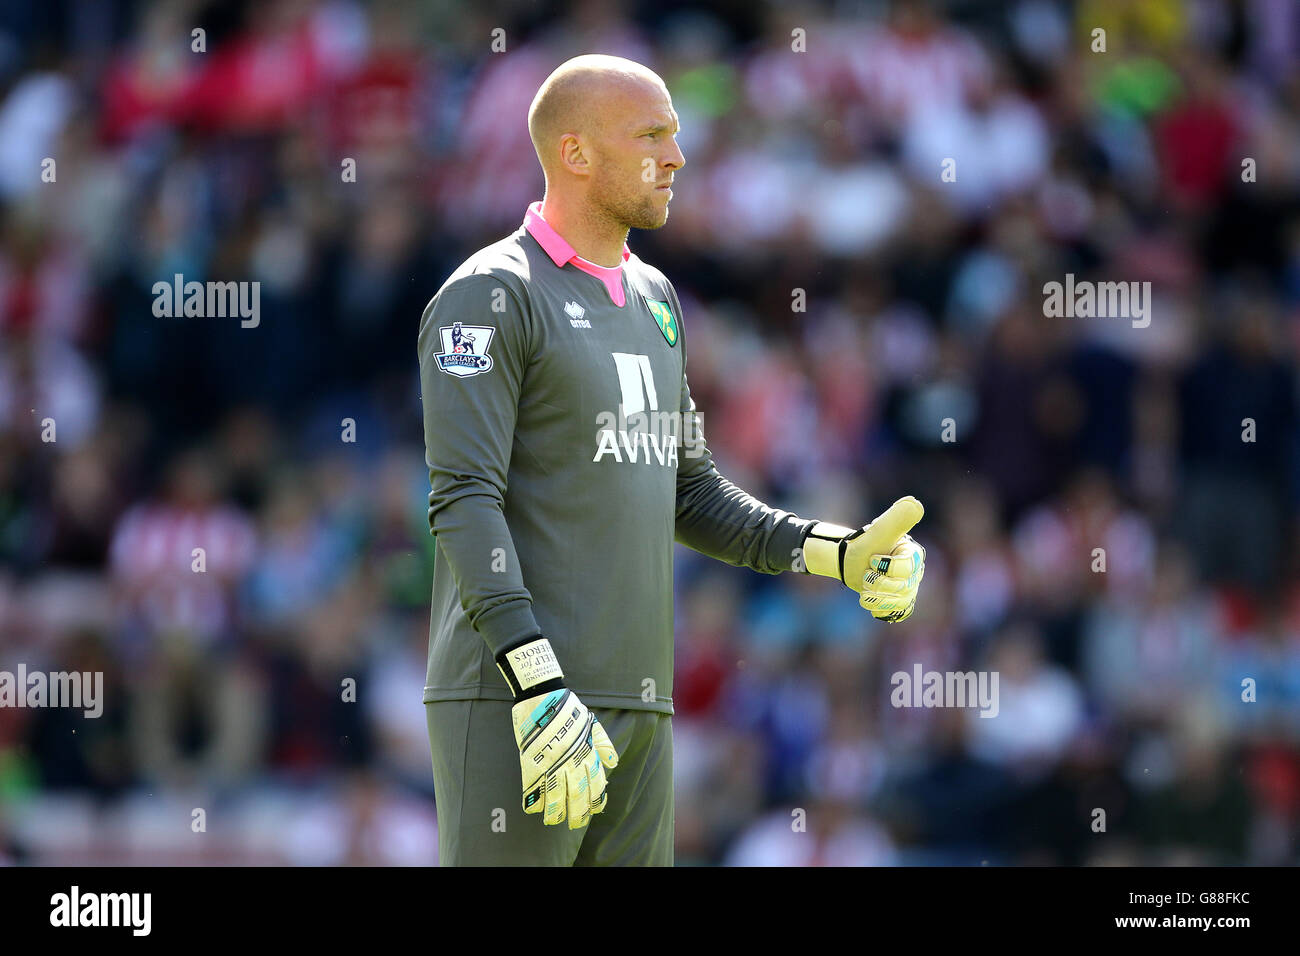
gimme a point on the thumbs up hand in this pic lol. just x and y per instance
(881, 561)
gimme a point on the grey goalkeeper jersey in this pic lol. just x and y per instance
(564, 460)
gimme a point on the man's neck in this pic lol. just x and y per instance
(595, 240)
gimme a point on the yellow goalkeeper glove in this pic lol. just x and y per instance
(880, 561)
(563, 750)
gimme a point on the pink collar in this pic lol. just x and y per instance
(562, 253)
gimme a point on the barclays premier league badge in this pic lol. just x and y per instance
(464, 349)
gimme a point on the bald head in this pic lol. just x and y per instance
(585, 95)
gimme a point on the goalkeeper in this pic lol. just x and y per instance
(565, 458)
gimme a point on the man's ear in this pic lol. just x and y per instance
(574, 154)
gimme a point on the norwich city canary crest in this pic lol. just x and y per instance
(664, 317)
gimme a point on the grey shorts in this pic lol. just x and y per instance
(478, 790)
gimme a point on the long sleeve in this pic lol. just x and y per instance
(717, 518)
(474, 348)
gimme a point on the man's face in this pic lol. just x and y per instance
(636, 157)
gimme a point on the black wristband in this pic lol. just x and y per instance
(529, 667)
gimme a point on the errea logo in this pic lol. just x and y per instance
(575, 313)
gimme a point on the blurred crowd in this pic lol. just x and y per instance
(1111, 519)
